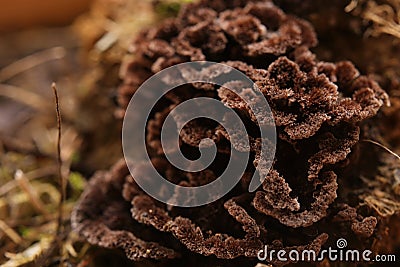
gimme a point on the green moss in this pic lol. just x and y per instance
(170, 8)
(77, 183)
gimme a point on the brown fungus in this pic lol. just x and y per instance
(317, 107)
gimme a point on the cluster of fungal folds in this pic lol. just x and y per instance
(317, 108)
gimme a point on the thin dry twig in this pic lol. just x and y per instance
(61, 235)
(59, 161)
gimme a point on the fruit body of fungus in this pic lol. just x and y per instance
(318, 108)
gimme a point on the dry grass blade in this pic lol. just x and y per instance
(383, 147)
(384, 203)
(14, 236)
(19, 146)
(25, 185)
(23, 96)
(383, 206)
(28, 255)
(263, 265)
(384, 15)
(31, 61)
(39, 173)
(351, 6)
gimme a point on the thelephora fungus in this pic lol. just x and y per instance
(317, 108)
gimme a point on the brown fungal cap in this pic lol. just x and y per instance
(248, 31)
(317, 108)
(102, 218)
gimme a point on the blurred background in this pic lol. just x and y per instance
(79, 45)
(19, 14)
